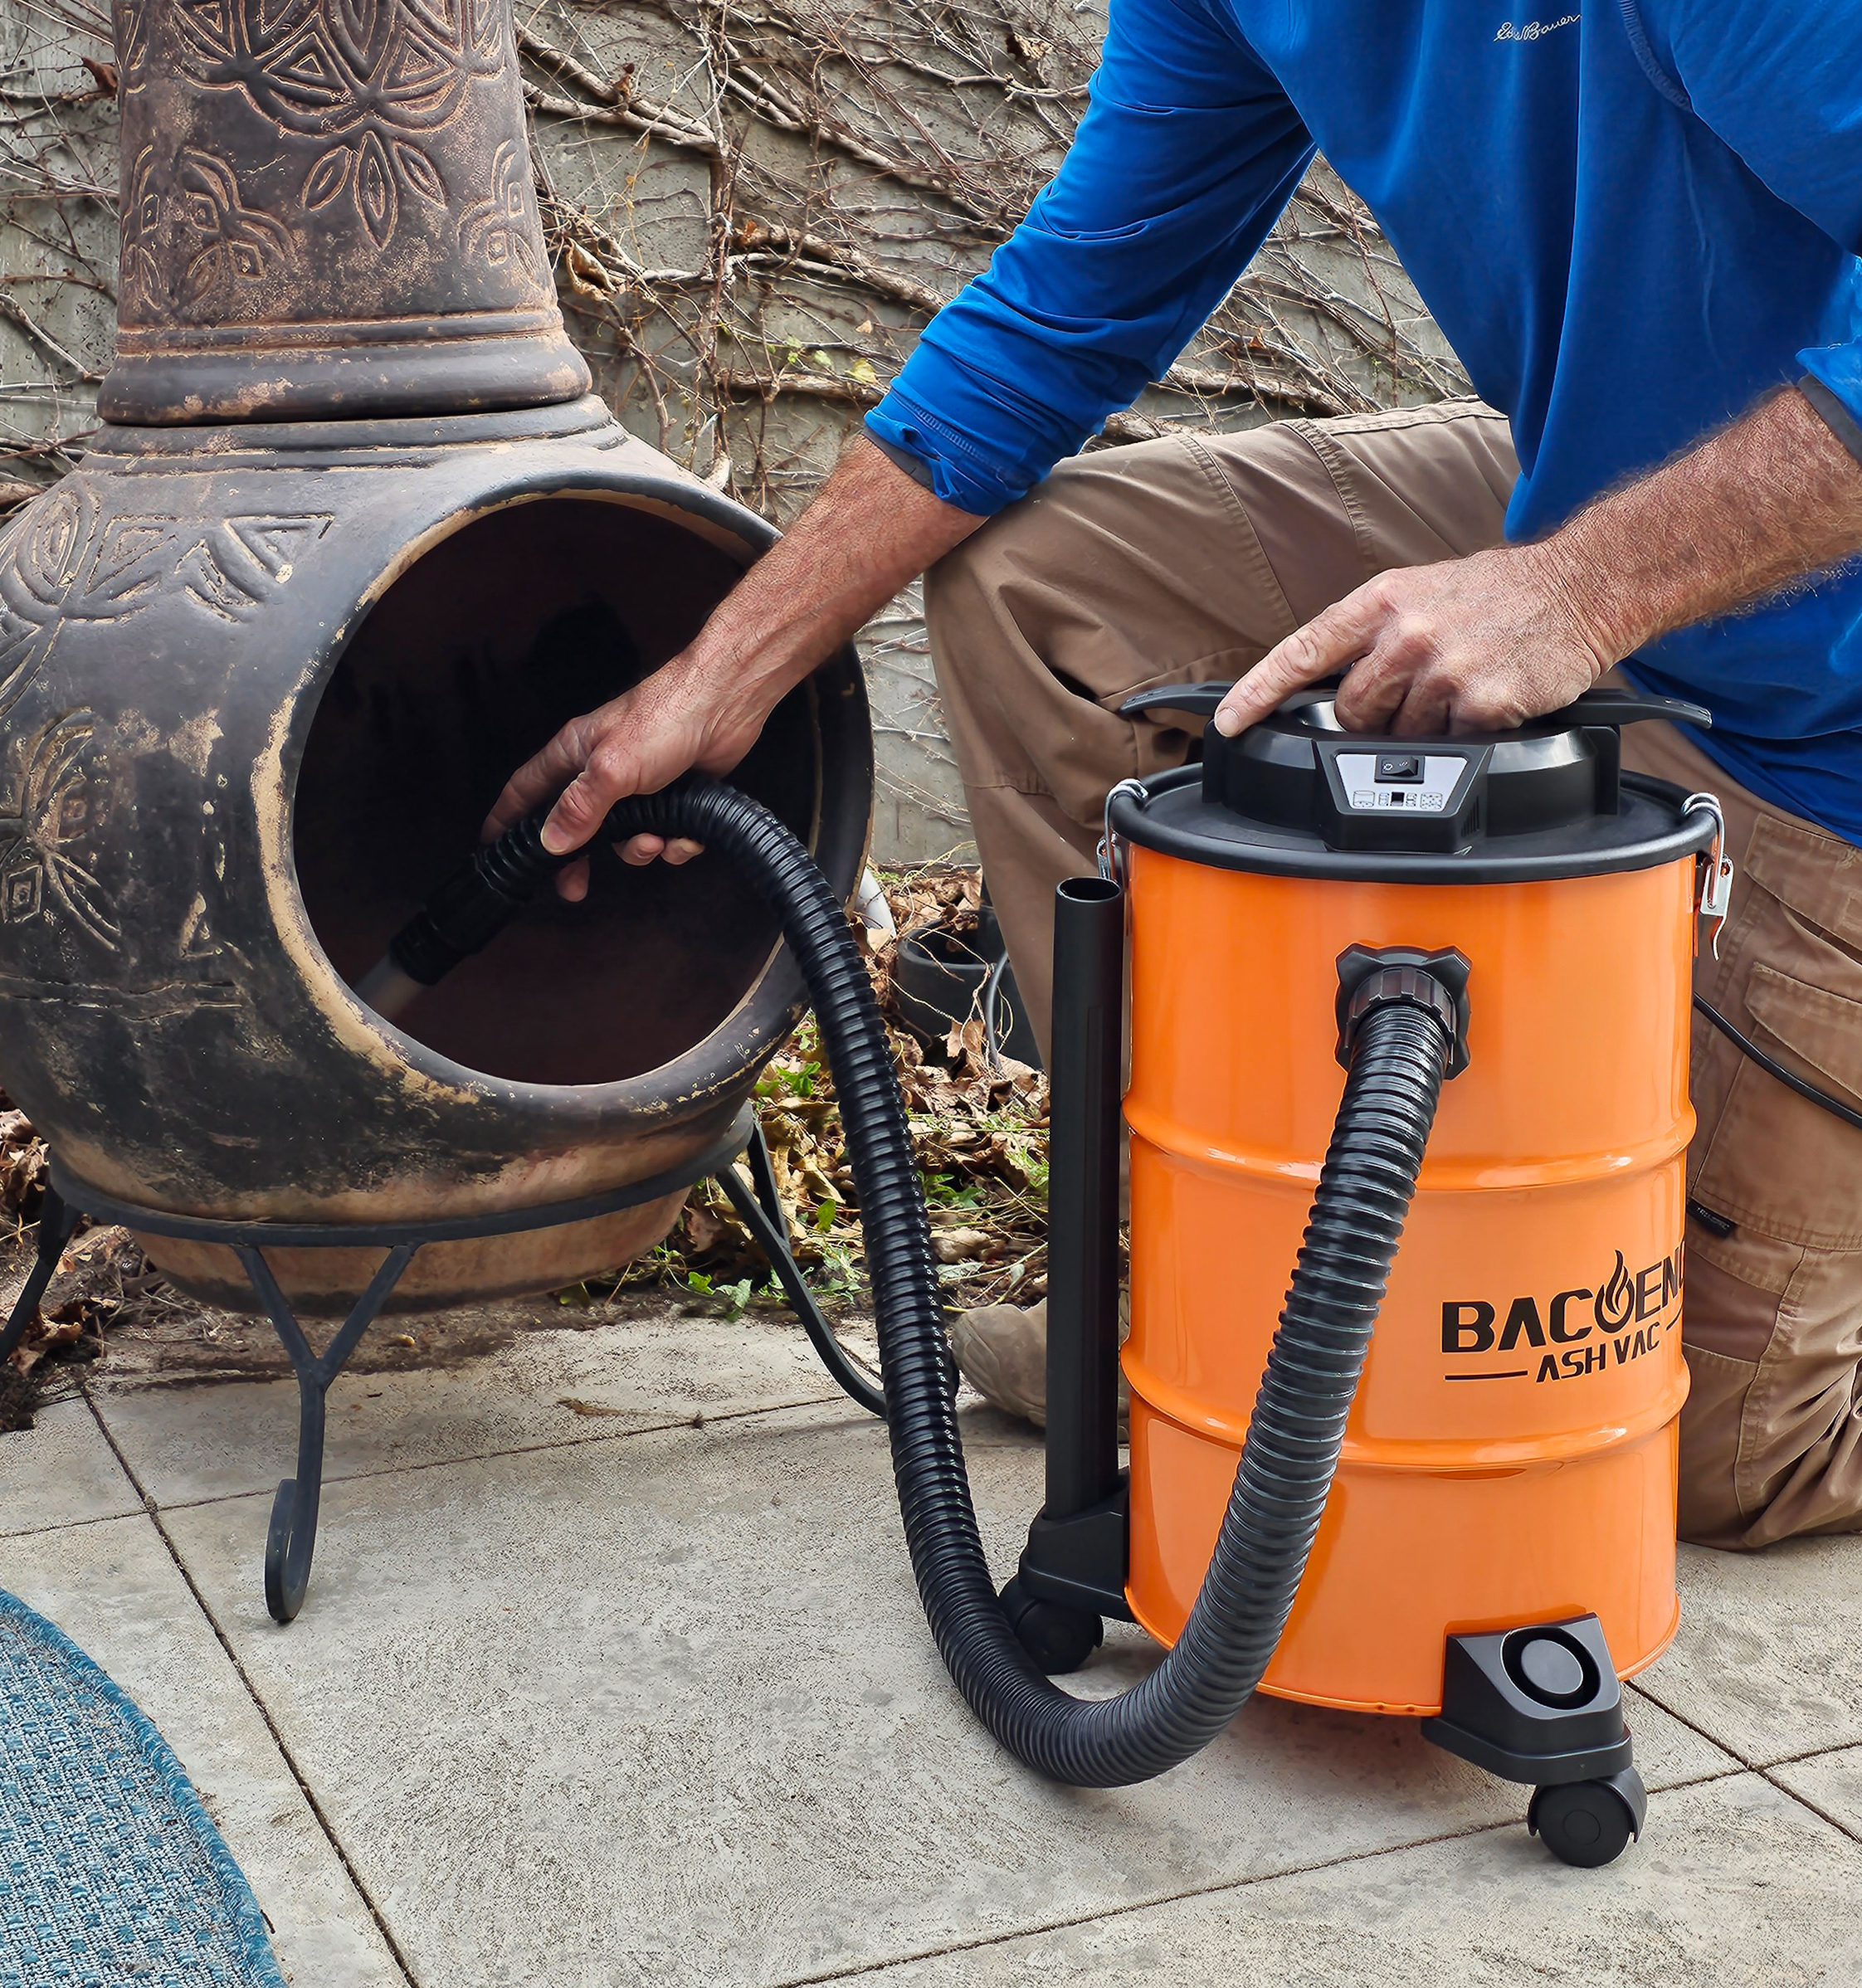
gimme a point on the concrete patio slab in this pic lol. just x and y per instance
(219, 1439)
(662, 1708)
(113, 1588)
(1830, 1782)
(1769, 1660)
(61, 1471)
(1733, 1886)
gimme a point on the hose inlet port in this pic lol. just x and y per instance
(1372, 978)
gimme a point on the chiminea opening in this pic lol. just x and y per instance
(469, 663)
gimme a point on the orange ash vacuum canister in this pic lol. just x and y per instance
(1510, 1457)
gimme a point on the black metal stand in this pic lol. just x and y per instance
(56, 1222)
(292, 1538)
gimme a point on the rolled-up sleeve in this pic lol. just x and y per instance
(1780, 82)
(1187, 153)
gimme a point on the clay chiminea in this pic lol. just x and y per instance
(354, 542)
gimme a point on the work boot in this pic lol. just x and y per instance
(1001, 1351)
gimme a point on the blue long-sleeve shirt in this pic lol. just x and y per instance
(1629, 225)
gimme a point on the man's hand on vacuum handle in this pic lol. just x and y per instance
(870, 530)
(1481, 643)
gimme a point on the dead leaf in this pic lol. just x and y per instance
(588, 276)
(960, 1246)
(703, 1229)
(87, 1288)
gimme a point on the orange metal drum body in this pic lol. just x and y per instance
(1511, 1457)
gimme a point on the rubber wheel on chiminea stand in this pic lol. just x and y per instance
(1587, 1823)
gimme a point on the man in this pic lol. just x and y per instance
(1636, 227)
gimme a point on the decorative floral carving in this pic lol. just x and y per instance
(228, 566)
(239, 244)
(132, 44)
(61, 795)
(370, 75)
(41, 551)
(142, 216)
(503, 229)
(233, 569)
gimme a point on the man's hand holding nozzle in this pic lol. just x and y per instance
(870, 531)
(639, 742)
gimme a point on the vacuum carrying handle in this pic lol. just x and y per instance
(1623, 706)
(1604, 707)
(1194, 700)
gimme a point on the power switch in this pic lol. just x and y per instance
(1399, 765)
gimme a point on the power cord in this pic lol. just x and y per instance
(1847, 1114)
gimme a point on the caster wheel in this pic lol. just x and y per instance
(1059, 1639)
(1589, 1823)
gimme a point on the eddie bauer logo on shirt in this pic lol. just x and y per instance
(1534, 30)
(1568, 1337)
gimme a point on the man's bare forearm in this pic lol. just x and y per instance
(870, 531)
(1766, 501)
(1479, 643)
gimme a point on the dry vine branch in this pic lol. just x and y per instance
(753, 207)
(861, 161)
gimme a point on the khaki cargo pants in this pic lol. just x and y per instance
(1186, 559)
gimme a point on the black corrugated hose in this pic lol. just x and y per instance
(1298, 1421)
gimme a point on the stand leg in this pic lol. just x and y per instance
(56, 1222)
(292, 1538)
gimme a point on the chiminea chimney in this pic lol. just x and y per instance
(327, 209)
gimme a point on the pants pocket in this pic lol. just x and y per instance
(1711, 1423)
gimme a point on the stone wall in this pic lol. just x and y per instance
(753, 207)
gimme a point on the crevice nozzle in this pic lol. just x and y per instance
(462, 916)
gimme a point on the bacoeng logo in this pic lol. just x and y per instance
(1585, 1330)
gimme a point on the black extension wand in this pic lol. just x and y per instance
(462, 916)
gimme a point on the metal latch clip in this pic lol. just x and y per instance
(1111, 867)
(1715, 866)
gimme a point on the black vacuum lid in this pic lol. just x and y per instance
(1298, 795)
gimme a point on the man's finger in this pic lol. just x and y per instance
(1426, 712)
(532, 784)
(639, 850)
(1327, 643)
(583, 805)
(1374, 691)
(572, 881)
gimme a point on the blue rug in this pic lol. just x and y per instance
(111, 1874)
